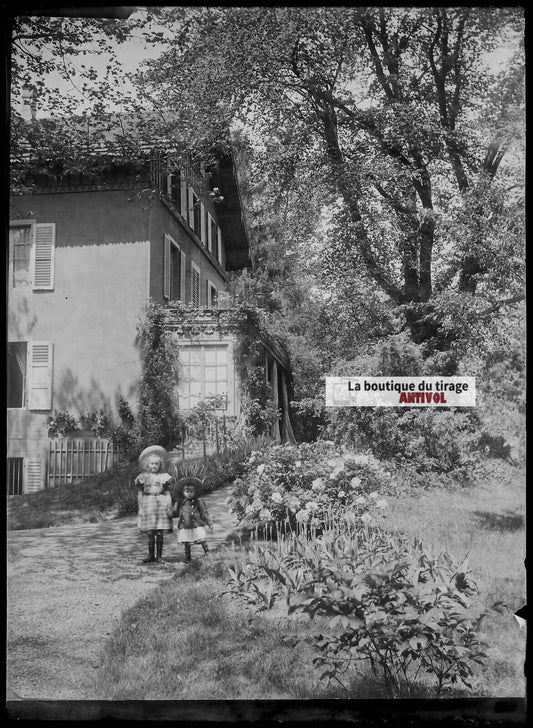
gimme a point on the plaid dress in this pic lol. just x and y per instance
(154, 513)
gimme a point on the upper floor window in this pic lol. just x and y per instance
(20, 242)
(173, 271)
(31, 255)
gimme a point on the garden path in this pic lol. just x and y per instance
(66, 590)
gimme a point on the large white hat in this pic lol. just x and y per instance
(153, 450)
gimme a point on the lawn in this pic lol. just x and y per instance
(108, 495)
(188, 641)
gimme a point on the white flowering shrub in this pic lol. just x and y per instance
(302, 483)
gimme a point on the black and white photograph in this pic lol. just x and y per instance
(265, 363)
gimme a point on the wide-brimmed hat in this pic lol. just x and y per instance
(153, 450)
(195, 482)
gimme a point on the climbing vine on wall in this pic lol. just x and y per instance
(157, 419)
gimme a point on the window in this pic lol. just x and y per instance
(29, 375)
(197, 214)
(173, 271)
(31, 255)
(195, 285)
(15, 476)
(212, 236)
(16, 373)
(20, 240)
(174, 183)
(203, 373)
(212, 295)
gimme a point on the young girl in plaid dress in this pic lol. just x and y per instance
(192, 515)
(154, 500)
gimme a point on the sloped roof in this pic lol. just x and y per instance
(133, 136)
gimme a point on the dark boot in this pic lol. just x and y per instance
(187, 552)
(205, 547)
(159, 547)
(151, 544)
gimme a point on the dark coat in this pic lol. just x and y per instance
(192, 513)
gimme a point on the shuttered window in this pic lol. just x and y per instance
(195, 285)
(32, 253)
(173, 271)
(40, 367)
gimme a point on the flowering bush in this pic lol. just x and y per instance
(303, 483)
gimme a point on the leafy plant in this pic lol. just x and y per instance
(303, 483)
(157, 418)
(97, 421)
(61, 424)
(385, 600)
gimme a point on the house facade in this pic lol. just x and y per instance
(85, 256)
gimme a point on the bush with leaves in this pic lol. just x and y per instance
(61, 424)
(157, 418)
(301, 483)
(380, 599)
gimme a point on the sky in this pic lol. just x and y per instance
(131, 54)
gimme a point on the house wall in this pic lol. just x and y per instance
(162, 222)
(101, 273)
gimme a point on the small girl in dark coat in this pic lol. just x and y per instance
(192, 515)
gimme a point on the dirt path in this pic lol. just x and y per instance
(67, 588)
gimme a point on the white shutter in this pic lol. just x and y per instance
(166, 268)
(219, 245)
(43, 257)
(203, 231)
(183, 271)
(183, 194)
(33, 475)
(190, 206)
(40, 367)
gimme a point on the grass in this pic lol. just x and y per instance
(107, 495)
(185, 642)
(486, 523)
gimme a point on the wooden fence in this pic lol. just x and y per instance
(70, 461)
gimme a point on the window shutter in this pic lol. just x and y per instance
(33, 475)
(183, 194)
(219, 246)
(182, 283)
(40, 375)
(166, 268)
(43, 261)
(195, 287)
(203, 227)
(190, 207)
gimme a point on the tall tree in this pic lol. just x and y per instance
(405, 120)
